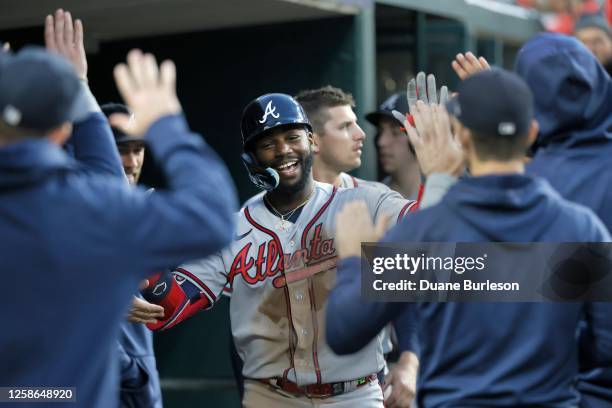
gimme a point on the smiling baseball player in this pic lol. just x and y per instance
(281, 267)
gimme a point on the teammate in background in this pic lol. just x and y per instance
(281, 267)
(395, 153)
(138, 371)
(76, 239)
(594, 32)
(572, 95)
(338, 141)
(131, 149)
(574, 145)
(499, 203)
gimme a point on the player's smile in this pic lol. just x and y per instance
(288, 168)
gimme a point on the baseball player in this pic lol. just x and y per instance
(281, 266)
(395, 153)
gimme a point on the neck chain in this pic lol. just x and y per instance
(283, 224)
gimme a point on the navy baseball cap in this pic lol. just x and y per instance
(494, 102)
(120, 136)
(39, 91)
(397, 101)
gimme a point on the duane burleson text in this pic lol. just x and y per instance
(425, 285)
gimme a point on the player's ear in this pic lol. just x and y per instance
(314, 142)
(533, 133)
(60, 134)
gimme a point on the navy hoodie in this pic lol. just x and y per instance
(475, 354)
(573, 105)
(77, 240)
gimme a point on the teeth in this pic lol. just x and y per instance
(286, 165)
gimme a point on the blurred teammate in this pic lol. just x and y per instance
(474, 354)
(572, 95)
(139, 377)
(76, 238)
(571, 103)
(395, 154)
(594, 31)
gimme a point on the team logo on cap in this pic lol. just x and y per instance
(506, 128)
(271, 111)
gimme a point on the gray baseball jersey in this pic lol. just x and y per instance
(280, 276)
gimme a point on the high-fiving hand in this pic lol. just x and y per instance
(148, 90)
(66, 38)
(468, 64)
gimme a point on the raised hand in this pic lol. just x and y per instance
(468, 64)
(424, 89)
(66, 38)
(148, 90)
(435, 146)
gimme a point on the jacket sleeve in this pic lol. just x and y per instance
(191, 219)
(350, 323)
(406, 329)
(92, 143)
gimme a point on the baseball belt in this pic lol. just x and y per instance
(319, 390)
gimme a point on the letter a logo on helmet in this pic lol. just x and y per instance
(256, 123)
(270, 110)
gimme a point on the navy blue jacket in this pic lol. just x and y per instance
(77, 240)
(573, 105)
(138, 372)
(475, 354)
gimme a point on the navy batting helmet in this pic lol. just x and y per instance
(269, 112)
(261, 115)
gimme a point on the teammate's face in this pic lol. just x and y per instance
(132, 157)
(598, 42)
(341, 141)
(289, 152)
(393, 150)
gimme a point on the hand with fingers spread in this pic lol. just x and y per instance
(66, 38)
(436, 148)
(148, 90)
(468, 64)
(424, 89)
(144, 312)
(354, 226)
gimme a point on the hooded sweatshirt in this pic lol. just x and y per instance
(77, 240)
(482, 354)
(573, 106)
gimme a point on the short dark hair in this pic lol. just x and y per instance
(316, 101)
(493, 147)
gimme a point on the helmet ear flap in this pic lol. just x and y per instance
(266, 179)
